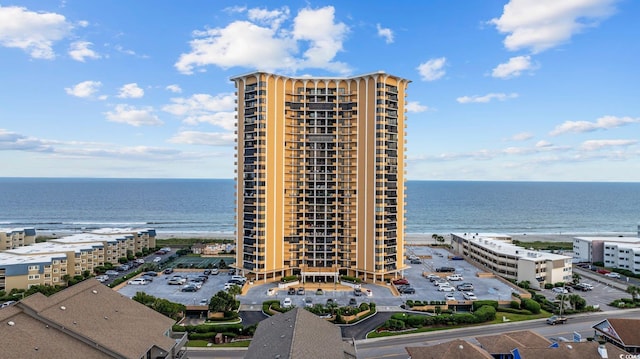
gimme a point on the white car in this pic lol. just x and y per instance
(454, 277)
(449, 296)
(138, 281)
(446, 288)
(271, 291)
(613, 275)
(102, 278)
(559, 290)
(469, 296)
(157, 259)
(286, 303)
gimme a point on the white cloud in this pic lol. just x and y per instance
(542, 24)
(84, 89)
(33, 32)
(131, 91)
(543, 144)
(386, 33)
(203, 108)
(432, 69)
(80, 51)
(603, 123)
(204, 138)
(270, 47)
(415, 106)
(593, 145)
(11, 141)
(486, 98)
(133, 116)
(273, 18)
(513, 68)
(324, 38)
(174, 88)
(522, 136)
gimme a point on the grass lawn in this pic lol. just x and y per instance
(205, 343)
(499, 319)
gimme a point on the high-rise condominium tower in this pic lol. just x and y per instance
(320, 176)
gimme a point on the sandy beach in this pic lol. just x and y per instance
(418, 238)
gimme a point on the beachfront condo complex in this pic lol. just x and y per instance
(320, 176)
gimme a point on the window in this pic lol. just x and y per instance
(34, 276)
(34, 267)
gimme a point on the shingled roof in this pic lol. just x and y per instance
(298, 333)
(455, 349)
(506, 342)
(86, 315)
(623, 331)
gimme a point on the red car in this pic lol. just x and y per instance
(400, 281)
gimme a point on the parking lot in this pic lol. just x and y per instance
(160, 289)
(381, 294)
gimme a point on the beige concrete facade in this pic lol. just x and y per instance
(49, 262)
(320, 175)
(16, 237)
(496, 253)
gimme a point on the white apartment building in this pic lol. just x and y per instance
(498, 254)
(592, 249)
(622, 255)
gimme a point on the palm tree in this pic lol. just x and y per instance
(576, 278)
(634, 291)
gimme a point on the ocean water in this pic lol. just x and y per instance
(207, 205)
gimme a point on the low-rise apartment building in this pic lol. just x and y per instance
(622, 255)
(48, 263)
(593, 249)
(498, 254)
(16, 237)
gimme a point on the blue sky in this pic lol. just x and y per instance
(540, 90)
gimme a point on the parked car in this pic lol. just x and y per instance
(140, 260)
(469, 296)
(102, 278)
(353, 302)
(457, 258)
(207, 272)
(308, 302)
(270, 291)
(176, 280)
(189, 288)
(440, 282)
(416, 261)
(168, 270)
(432, 277)
(584, 287)
(204, 301)
(455, 277)
(613, 275)
(215, 271)
(300, 291)
(465, 287)
(559, 290)
(138, 281)
(157, 259)
(148, 278)
(400, 281)
(357, 292)
(151, 273)
(406, 290)
(446, 288)
(111, 272)
(286, 303)
(445, 269)
(291, 291)
(450, 296)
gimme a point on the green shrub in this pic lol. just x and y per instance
(548, 286)
(485, 313)
(394, 324)
(515, 304)
(558, 284)
(515, 311)
(531, 305)
(350, 279)
(480, 303)
(289, 278)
